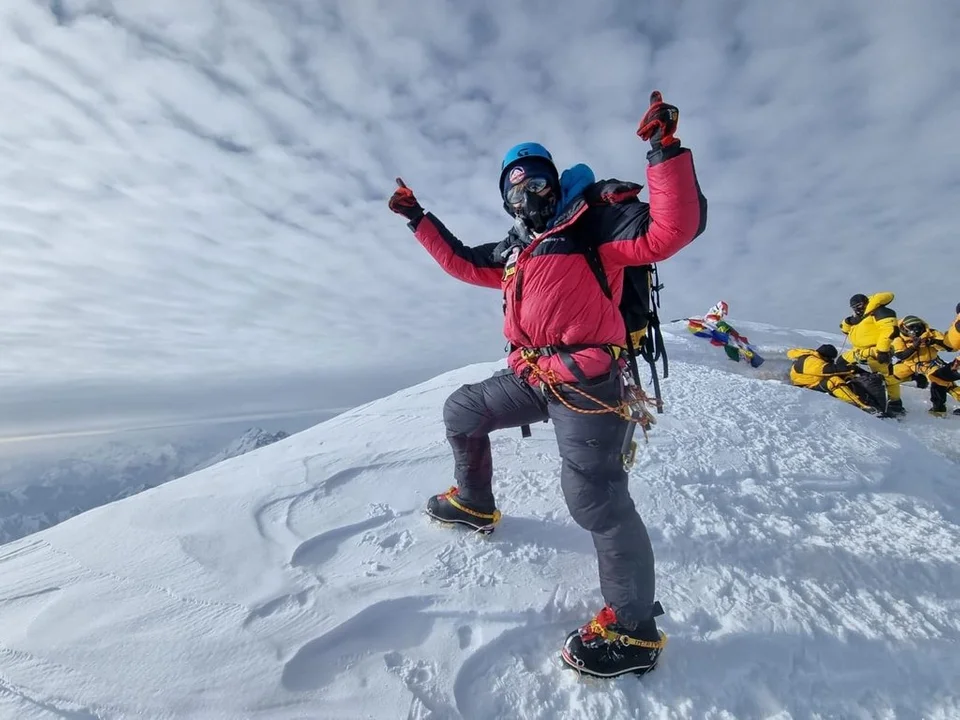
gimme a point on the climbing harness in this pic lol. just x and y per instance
(631, 408)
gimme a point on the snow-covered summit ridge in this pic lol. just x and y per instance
(38, 493)
(807, 561)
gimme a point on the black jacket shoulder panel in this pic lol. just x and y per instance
(617, 221)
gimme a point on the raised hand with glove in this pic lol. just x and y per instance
(657, 126)
(404, 202)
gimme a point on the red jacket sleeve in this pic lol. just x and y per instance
(641, 233)
(474, 265)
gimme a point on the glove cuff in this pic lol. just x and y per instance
(415, 219)
(661, 154)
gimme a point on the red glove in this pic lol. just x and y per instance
(404, 202)
(659, 123)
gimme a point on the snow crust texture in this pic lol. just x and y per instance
(807, 554)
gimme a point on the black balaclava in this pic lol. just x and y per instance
(536, 209)
(858, 303)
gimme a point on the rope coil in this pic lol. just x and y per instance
(630, 409)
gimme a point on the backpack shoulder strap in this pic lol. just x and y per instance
(592, 254)
(605, 192)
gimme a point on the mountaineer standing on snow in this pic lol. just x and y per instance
(566, 338)
(871, 330)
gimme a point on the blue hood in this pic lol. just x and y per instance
(573, 182)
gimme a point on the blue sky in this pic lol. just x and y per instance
(199, 188)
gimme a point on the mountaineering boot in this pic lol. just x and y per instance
(449, 507)
(938, 411)
(604, 648)
(895, 408)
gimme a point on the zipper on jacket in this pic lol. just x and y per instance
(515, 305)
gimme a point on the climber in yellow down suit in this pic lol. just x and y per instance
(917, 350)
(871, 330)
(953, 334)
(822, 370)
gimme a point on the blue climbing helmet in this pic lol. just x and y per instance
(530, 185)
(518, 153)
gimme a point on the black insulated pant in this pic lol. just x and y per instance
(592, 477)
(941, 382)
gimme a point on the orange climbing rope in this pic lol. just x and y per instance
(630, 409)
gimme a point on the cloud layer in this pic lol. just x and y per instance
(191, 187)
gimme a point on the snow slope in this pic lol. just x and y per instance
(808, 563)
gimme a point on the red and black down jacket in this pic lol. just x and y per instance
(551, 296)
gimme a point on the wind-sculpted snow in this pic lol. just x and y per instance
(807, 553)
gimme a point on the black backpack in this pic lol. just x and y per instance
(871, 389)
(641, 290)
(638, 305)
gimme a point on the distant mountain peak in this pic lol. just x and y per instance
(253, 439)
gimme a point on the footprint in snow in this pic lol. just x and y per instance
(427, 700)
(278, 606)
(384, 627)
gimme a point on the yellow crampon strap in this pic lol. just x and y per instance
(451, 497)
(610, 636)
